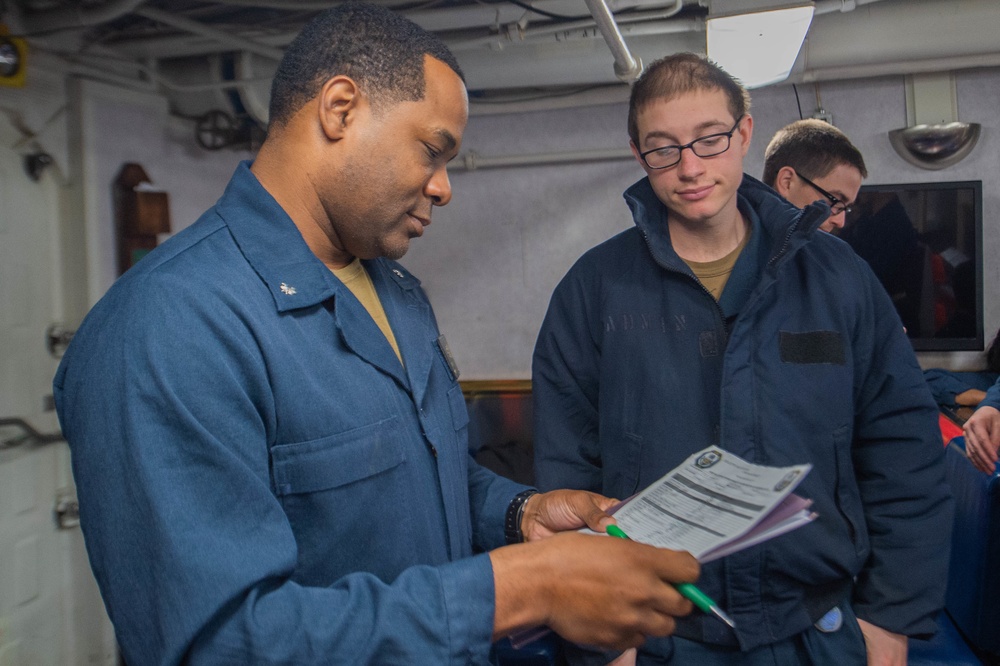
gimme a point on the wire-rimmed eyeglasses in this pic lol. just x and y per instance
(836, 205)
(704, 146)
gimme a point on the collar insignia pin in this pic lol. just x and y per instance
(398, 273)
(288, 291)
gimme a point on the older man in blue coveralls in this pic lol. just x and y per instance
(268, 438)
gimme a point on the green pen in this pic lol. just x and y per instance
(688, 590)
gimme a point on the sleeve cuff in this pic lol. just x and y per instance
(470, 599)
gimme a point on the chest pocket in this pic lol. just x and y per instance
(337, 460)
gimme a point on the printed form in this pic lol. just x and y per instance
(716, 503)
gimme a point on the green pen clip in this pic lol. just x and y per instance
(688, 590)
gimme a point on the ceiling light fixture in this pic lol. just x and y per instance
(758, 43)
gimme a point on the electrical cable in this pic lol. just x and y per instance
(797, 102)
(542, 12)
(552, 15)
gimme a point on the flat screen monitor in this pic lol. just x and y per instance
(924, 241)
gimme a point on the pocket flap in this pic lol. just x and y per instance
(330, 462)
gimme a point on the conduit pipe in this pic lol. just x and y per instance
(895, 68)
(639, 23)
(635, 24)
(842, 6)
(110, 77)
(221, 36)
(627, 67)
(472, 161)
(76, 17)
(307, 5)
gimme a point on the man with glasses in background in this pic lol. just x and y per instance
(723, 318)
(811, 159)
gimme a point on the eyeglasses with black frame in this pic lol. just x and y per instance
(710, 145)
(836, 205)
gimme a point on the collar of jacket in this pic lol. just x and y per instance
(273, 245)
(788, 226)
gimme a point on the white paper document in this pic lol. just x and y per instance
(713, 504)
(716, 503)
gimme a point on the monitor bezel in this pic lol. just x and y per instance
(931, 344)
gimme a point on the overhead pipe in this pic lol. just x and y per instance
(842, 6)
(627, 67)
(110, 77)
(76, 17)
(941, 64)
(306, 5)
(472, 161)
(297, 5)
(633, 24)
(230, 40)
(638, 23)
(437, 20)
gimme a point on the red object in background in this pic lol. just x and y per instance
(949, 429)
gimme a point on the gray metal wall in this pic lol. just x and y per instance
(492, 257)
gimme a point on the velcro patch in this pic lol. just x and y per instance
(812, 347)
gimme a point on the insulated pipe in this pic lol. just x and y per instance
(120, 80)
(61, 19)
(221, 36)
(471, 161)
(317, 5)
(890, 68)
(627, 67)
(842, 6)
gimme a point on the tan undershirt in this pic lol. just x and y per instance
(714, 274)
(356, 278)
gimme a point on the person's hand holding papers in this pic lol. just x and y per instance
(610, 593)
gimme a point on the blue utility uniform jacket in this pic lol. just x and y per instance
(803, 360)
(992, 398)
(260, 479)
(945, 385)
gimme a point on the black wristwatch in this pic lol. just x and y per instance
(515, 512)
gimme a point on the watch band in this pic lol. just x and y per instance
(515, 512)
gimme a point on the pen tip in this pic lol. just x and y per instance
(722, 616)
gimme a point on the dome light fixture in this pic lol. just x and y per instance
(933, 138)
(935, 146)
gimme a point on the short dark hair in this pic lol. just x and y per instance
(381, 50)
(680, 73)
(813, 148)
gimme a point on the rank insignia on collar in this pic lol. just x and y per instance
(288, 291)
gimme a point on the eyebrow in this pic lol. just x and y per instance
(449, 140)
(703, 127)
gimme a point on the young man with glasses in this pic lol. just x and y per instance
(811, 159)
(724, 318)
